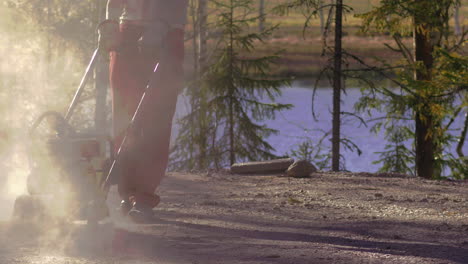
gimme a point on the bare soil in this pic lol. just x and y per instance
(222, 218)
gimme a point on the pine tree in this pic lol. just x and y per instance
(429, 78)
(234, 86)
(313, 9)
(237, 84)
(190, 152)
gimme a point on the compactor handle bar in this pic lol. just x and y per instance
(62, 127)
(83, 82)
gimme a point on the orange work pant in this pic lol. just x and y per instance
(131, 71)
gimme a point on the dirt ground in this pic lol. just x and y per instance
(222, 218)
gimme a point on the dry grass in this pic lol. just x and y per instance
(302, 56)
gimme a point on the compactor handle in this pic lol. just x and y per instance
(83, 82)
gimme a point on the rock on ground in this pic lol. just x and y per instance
(301, 169)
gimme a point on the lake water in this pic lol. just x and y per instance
(297, 125)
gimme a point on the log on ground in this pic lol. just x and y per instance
(262, 167)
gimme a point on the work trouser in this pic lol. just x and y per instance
(131, 70)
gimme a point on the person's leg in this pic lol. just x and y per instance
(162, 93)
(127, 89)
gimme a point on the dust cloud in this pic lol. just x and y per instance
(38, 72)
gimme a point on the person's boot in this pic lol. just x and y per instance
(125, 206)
(141, 213)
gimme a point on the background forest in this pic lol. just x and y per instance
(408, 60)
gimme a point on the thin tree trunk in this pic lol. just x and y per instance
(423, 46)
(214, 151)
(195, 22)
(322, 19)
(337, 87)
(456, 19)
(101, 81)
(49, 50)
(202, 61)
(202, 39)
(232, 156)
(194, 93)
(261, 14)
(461, 141)
(332, 5)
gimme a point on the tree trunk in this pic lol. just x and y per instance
(202, 61)
(202, 34)
(195, 22)
(48, 49)
(261, 14)
(461, 141)
(424, 47)
(194, 89)
(332, 5)
(322, 19)
(232, 155)
(101, 82)
(337, 87)
(456, 19)
(425, 166)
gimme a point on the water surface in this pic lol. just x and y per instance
(298, 125)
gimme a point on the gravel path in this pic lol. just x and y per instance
(221, 218)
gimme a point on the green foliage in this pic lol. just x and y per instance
(72, 21)
(437, 98)
(239, 91)
(312, 152)
(310, 10)
(395, 16)
(458, 166)
(196, 145)
(397, 157)
(49, 54)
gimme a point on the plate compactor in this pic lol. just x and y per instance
(68, 168)
(71, 176)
